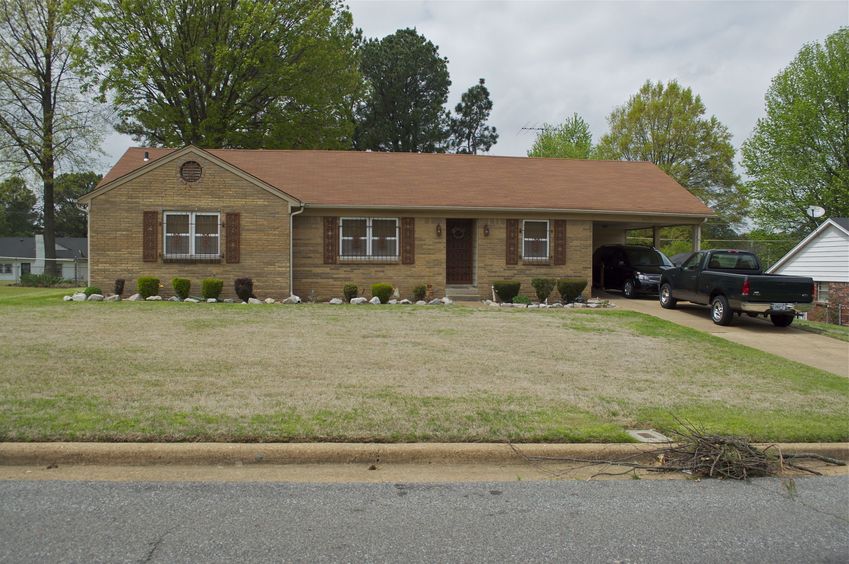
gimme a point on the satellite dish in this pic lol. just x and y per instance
(815, 211)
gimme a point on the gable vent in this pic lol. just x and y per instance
(190, 171)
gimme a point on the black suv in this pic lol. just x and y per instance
(633, 269)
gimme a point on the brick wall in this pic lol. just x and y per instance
(116, 230)
(326, 280)
(837, 309)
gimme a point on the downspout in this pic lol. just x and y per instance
(85, 208)
(292, 246)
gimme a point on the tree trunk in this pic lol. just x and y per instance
(48, 163)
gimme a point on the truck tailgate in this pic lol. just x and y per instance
(780, 289)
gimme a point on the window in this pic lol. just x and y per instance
(822, 292)
(7, 269)
(192, 235)
(693, 262)
(368, 238)
(26, 268)
(535, 240)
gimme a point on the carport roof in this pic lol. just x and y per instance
(443, 181)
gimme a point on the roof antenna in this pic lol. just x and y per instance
(146, 157)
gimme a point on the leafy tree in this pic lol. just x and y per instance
(44, 121)
(407, 88)
(469, 132)
(798, 155)
(227, 73)
(18, 216)
(71, 220)
(666, 125)
(570, 140)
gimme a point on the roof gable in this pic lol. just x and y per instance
(823, 254)
(138, 160)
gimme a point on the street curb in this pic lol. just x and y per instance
(148, 454)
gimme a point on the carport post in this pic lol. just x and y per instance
(655, 236)
(697, 237)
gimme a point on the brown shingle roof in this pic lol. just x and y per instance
(352, 178)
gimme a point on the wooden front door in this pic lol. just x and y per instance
(460, 250)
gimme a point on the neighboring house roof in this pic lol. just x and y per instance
(823, 255)
(25, 247)
(416, 180)
(17, 247)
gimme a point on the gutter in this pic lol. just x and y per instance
(702, 216)
(292, 214)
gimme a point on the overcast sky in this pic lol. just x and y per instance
(542, 61)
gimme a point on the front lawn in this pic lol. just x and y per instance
(200, 372)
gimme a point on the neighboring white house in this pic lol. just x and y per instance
(25, 255)
(824, 256)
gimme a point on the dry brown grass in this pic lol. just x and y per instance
(182, 371)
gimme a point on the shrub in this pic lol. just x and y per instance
(571, 288)
(40, 280)
(244, 288)
(543, 287)
(147, 286)
(520, 299)
(92, 290)
(350, 291)
(181, 287)
(419, 292)
(211, 288)
(382, 291)
(506, 289)
(119, 286)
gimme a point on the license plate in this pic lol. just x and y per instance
(781, 307)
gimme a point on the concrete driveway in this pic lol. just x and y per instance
(808, 348)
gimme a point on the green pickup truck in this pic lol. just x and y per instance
(732, 281)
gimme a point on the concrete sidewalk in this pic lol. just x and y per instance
(808, 348)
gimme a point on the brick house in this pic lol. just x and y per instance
(824, 256)
(307, 222)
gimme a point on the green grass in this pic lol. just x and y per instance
(840, 332)
(165, 371)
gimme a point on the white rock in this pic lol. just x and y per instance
(336, 301)
(356, 301)
(270, 301)
(154, 298)
(190, 301)
(505, 304)
(421, 302)
(67, 298)
(556, 304)
(174, 299)
(533, 306)
(293, 299)
(228, 300)
(435, 301)
(211, 300)
(113, 298)
(523, 306)
(405, 301)
(447, 301)
(95, 298)
(393, 301)
(134, 298)
(79, 297)
(493, 304)
(488, 302)
(254, 301)
(374, 301)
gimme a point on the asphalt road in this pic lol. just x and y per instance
(615, 521)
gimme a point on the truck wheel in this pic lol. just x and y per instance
(720, 311)
(781, 320)
(629, 290)
(666, 299)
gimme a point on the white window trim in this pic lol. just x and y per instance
(192, 235)
(547, 239)
(827, 292)
(369, 239)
